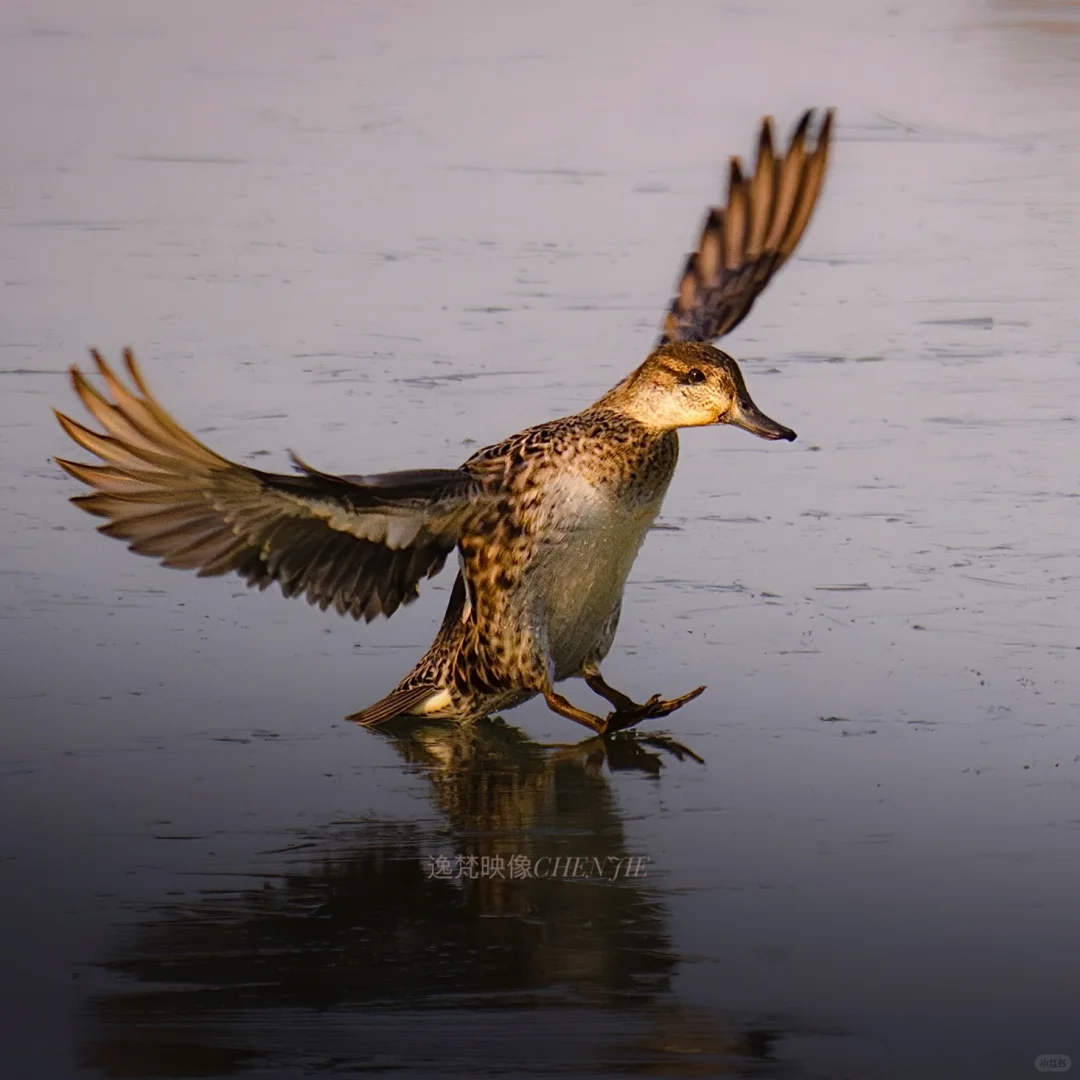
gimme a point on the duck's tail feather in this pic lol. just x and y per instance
(397, 703)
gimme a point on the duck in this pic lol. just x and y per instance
(546, 524)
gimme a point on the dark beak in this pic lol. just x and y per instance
(745, 414)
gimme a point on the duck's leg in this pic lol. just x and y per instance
(627, 711)
(557, 703)
(652, 709)
(597, 685)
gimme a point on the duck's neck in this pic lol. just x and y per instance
(636, 400)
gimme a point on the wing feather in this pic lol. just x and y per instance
(744, 243)
(359, 543)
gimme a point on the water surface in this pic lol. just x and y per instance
(386, 235)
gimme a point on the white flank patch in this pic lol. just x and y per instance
(439, 700)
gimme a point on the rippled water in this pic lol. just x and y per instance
(385, 235)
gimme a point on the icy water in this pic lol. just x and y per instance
(386, 234)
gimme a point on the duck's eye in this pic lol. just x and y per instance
(695, 375)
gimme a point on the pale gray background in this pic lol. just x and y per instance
(383, 233)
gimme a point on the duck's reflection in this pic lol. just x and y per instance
(412, 946)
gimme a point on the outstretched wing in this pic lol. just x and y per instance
(743, 244)
(361, 543)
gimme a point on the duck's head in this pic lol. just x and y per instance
(689, 384)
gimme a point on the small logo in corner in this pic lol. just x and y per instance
(1053, 1063)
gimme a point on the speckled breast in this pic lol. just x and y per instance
(598, 520)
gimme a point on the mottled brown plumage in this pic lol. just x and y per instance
(547, 523)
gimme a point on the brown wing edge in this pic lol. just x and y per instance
(173, 498)
(744, 243)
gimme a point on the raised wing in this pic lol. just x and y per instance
(360, 543)
(744, 243)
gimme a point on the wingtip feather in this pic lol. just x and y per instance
(753, 234)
